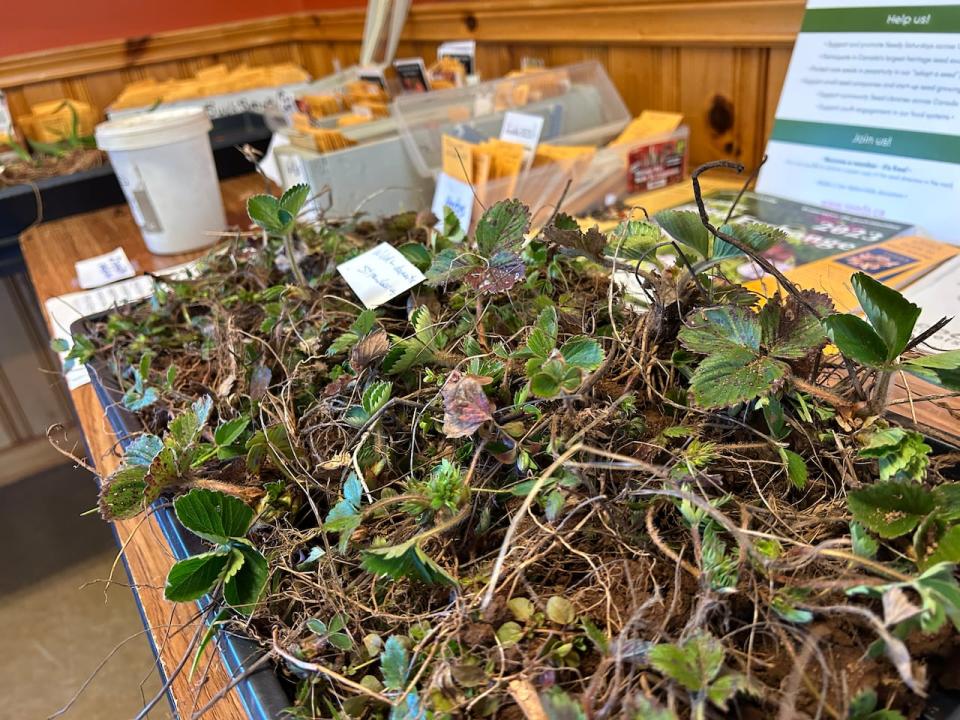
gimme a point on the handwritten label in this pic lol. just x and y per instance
(521, 128)
(104, 269)
(379, 275)
(456, 195)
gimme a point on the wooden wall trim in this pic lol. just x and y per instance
(730, 23)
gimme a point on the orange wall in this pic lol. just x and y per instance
(45, 24)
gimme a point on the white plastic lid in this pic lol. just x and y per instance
(152, 129)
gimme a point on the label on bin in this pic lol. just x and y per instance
(456, 195)
(379, 275)
(522, 128)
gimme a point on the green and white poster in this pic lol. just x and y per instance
(869, 117)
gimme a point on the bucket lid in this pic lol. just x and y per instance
(152, 129)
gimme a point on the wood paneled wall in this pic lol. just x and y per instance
(720, 62)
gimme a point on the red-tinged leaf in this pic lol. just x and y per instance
(465, 405)
(335, 387)
(504, 270)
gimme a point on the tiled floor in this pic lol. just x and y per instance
(54, 630)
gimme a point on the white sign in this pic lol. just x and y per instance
(104, 269)
(521, 128)
(456, 195)
(869, 117)
(379, 275)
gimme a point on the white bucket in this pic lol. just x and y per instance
(164, 164)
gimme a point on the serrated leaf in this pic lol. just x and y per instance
(862, 543)
(465, 405)
(947, 549)
(544, 385)
(543, 337)
(417, 254)
(856, 339)
(229, 432)
(142, 450)
(583, 352)
(213, 515)
(264, 211)
(208, 634)
(186, 427)
(376, 396)
(719, 328)
(195, 576)
(294, 198)
(756, 236)
(795, 466)
(693, 664)
(791, 331)
(565, 231)
(890, 313)
(890, 509)
(733, 376)
(136, 401)
(449, 265)
(164, 472)
(941, 369)
(369, 350)
(724, 688)
(560, 610)
(686, 228)
(394, 664)
(502, 227)
(558, 705)
(121, 494)
(634, 240)
(501, 272)
(243, 590)
(406, 560)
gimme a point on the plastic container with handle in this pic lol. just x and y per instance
(164, 163)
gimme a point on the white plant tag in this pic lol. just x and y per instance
(104, 269)
(522, 128)
(456, 195)
(379, 275)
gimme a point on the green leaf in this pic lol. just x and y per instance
(783, 606)
(186, 427)
(941, 369)
(229, 432)
(686, 228)
(583, 352)
(164, 472)
(208, 634)
(560, 610)
(733, 376)
(509, 634)
(394, 664)
(947, 549)
(889, 312)
(213, 515)
(558, 705)
(502, 226)
(406, 560)
(137, 401)
(795, 466)
(724, 688)
(244, 588)
(856, 339)
(264, 211)
(863, 543)
(756, 236)
(449, 265)
(720, 328)
(121, 494)
(890, 509)
(901, 454)
(142, 450)
(790, 330)
(452, 230)
(375, 397)
(521, 608)
(59, 345)
(294, 197)
(544, 385)
(694, 663)
(417, 254)
(194, 577)
(543, 337)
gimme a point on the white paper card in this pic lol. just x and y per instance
(64, 310)
(379, 275)
(938, 294)
(521, 128)
(456, 195)
(104, 269)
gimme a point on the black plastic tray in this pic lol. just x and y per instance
(261, 693)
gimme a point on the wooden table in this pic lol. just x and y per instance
(50, 251)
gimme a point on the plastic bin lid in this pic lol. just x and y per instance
(579, 105)
(152, 129)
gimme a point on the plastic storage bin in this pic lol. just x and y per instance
(394, 165)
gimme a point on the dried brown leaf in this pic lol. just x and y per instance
(465, 405)
(369, 350)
